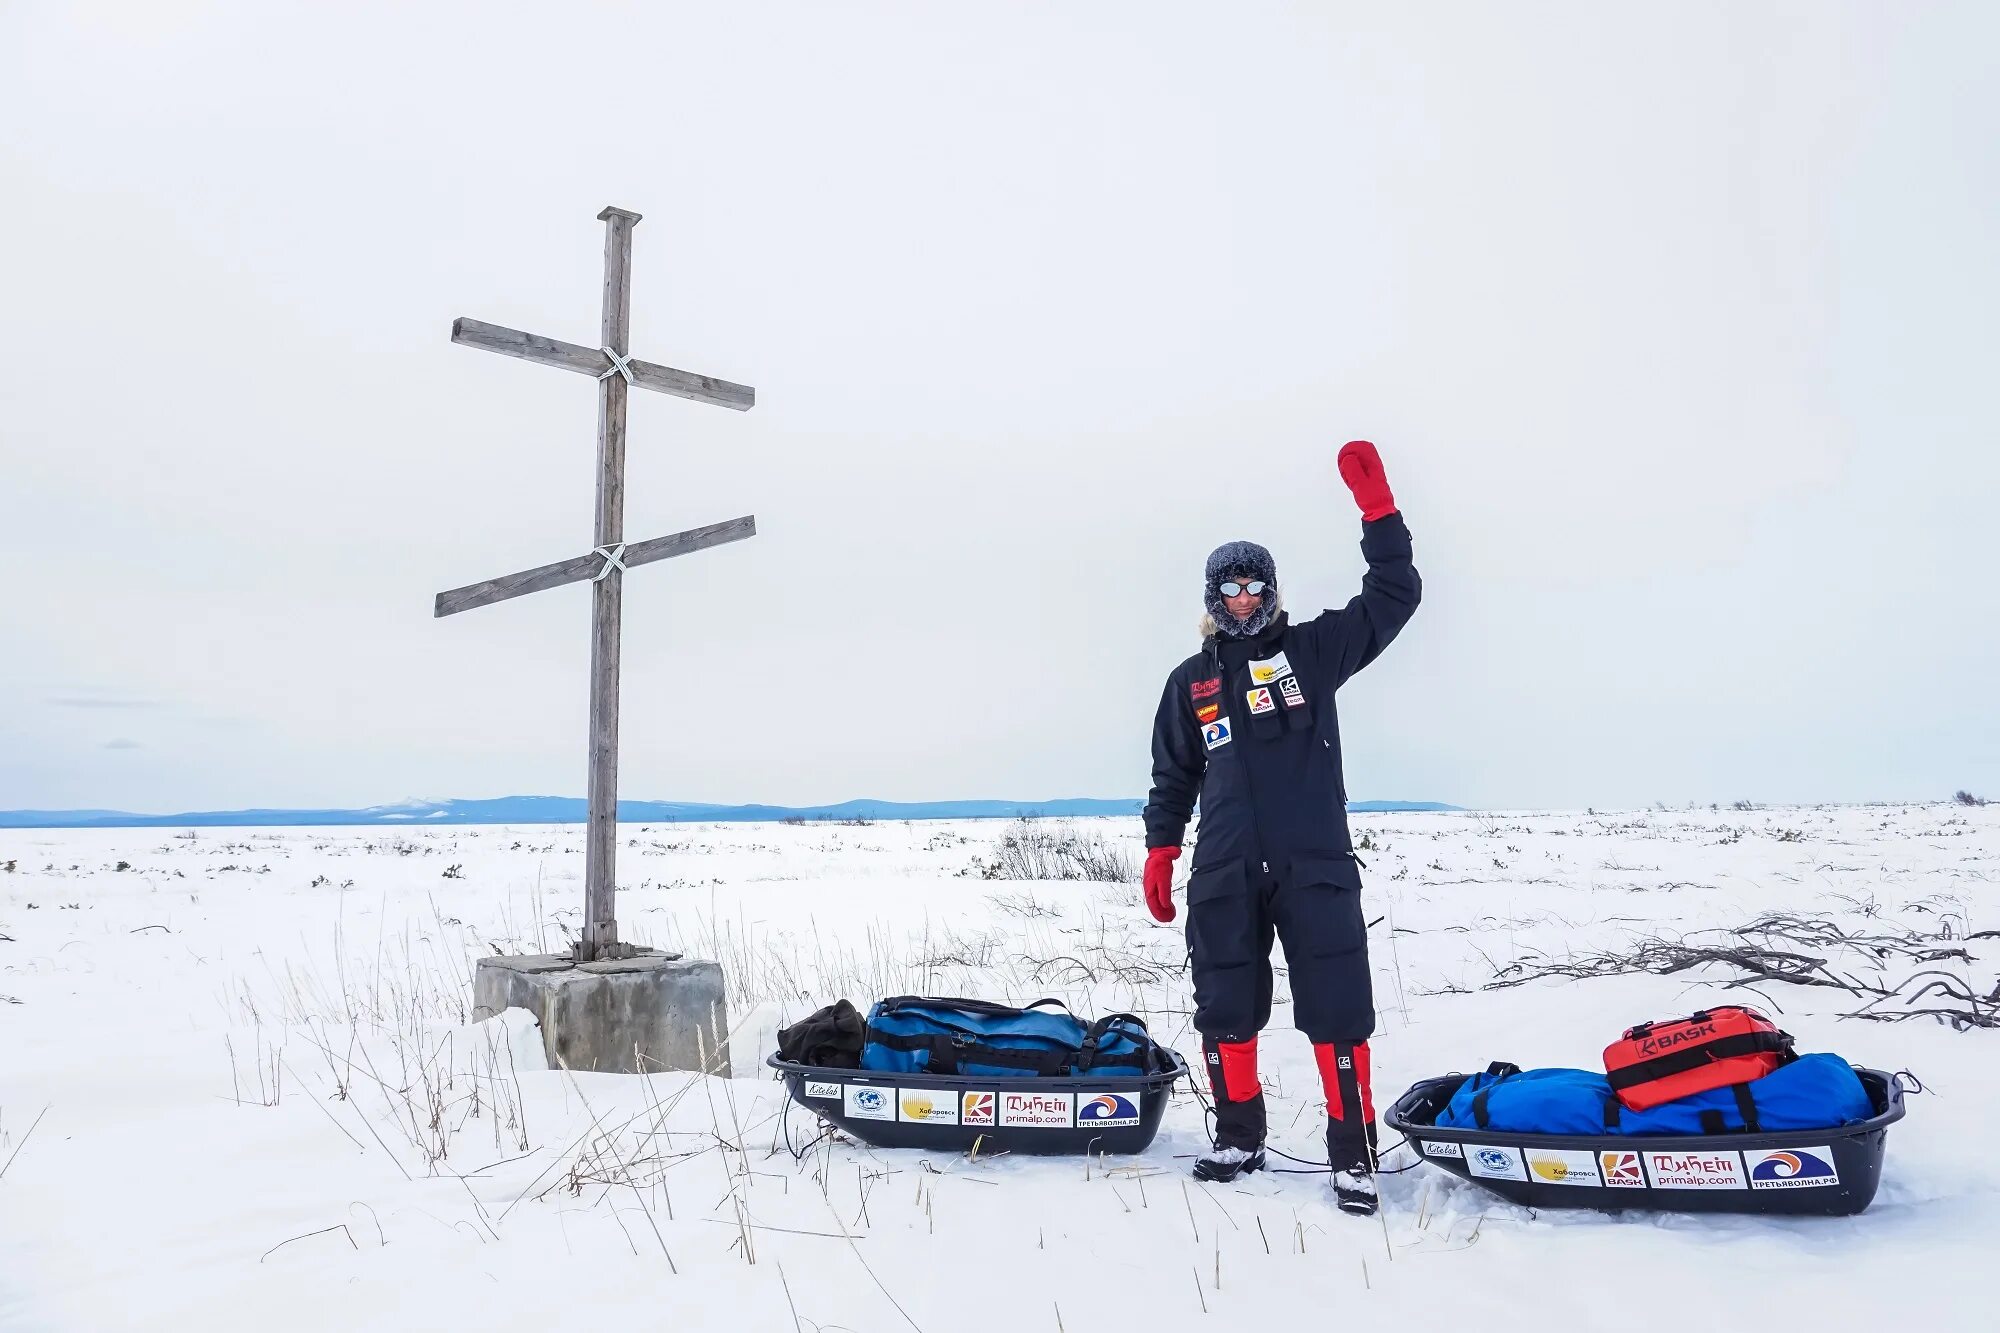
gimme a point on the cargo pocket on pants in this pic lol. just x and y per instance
(1325, 909)
(1222, 922)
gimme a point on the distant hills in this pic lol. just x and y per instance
(572, 810)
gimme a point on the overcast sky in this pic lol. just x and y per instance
(1675, 325)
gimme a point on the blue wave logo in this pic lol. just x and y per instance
(1108, 1107)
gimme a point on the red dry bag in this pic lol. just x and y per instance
(1665, 1061)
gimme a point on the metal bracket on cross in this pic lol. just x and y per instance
(620, 365)
(614, 558)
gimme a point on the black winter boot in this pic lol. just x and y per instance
(1239, 1119)
(1352, 1157)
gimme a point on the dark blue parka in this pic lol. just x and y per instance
(1266, 768)
(1248, 726)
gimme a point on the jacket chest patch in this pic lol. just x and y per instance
(1216, 734)
(1206, 713)
(1293, 695)
(1260, 700)
(1269, 669)
(1205, 689)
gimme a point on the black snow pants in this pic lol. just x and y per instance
(1312, 904)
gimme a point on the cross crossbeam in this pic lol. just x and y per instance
(591, 361)
(617, 373)
(579, 569)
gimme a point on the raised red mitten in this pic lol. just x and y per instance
(1361, 469)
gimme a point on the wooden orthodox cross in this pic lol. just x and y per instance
(616, 372)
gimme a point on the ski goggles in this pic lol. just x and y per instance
(1235, 589)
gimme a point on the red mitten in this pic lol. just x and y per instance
(1159, 878)
(1361, 469)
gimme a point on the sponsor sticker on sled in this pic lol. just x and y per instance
(870, 1103)
(1621, 1170)
(1294, 696)
(1695, 1170)
(1495, 1163)
(927, 1106)
(1261, 701)
(1269, 670)
(1216, 734)
(830, 1091)
(975, 1108)
(1038, 1110)
(1106, 1109)
(1440, 1148)
(1792, 1168)
(1555, 1166)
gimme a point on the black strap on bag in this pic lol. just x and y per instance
(1498, 1070)
(1149, 1051)
(1665, 1066)
(970, 1006)
(1613, 1111)
(948, 1053)
(1746, 1106)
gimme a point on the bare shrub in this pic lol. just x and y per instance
(1967, 798)
(1044, 849)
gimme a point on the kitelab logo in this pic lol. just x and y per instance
(1793, 1169)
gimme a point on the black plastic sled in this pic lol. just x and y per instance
(1111, 1113)
(1823, 1172)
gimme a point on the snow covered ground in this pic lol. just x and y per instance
(237, 1087)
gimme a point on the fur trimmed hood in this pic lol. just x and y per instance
(1208, 629)
(1238, 560)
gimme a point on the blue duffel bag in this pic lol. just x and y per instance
(912, 1034)
(1811, 1092)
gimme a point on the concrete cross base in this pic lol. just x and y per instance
(649, 1012)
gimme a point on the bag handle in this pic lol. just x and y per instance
(969, 1005)
(1154, 1060)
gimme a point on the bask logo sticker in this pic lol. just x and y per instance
(976, 1108)
(1621, 1170)
(1793, 1169)
(1696, 1170)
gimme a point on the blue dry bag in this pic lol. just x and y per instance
(1812, 1092)
(912, 1034)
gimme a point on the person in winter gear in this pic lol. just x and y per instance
(1248, 726)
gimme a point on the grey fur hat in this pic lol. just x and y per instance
(1239, 560)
